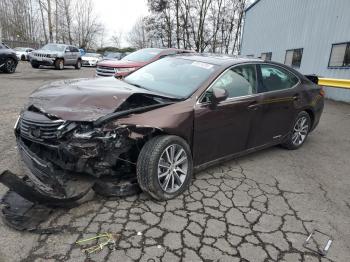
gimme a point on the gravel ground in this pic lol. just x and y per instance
(256, 208)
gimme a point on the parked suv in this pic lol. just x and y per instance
(134, 61)
(57, 55)
(8, 59)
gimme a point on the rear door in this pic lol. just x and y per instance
(279, 93)
(75, 54)
(67, 56)
(223, 129)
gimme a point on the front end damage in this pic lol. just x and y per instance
(64, 160)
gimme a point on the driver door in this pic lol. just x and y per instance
(223, 129)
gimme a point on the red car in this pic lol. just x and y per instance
(134, 61)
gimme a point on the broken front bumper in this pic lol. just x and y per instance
(47, 185)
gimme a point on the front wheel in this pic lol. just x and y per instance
(78, 64)
(59, 64)
(301, 129)
(165, 167)
(10, 66)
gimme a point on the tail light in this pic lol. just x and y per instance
(322, 93)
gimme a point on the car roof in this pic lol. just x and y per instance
(62, 44)
(217, 59)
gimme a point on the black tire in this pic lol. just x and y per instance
(23, 58)
(59, 64)
(78, 64)
(292, 142)
(10, 65)
(35, 65)
(147, 167)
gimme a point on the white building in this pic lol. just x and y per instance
(312, 36)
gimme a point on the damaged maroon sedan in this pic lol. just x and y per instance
(157, 126)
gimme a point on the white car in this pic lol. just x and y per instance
(22, 53)
(91, 59)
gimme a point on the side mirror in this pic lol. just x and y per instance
(219, 95)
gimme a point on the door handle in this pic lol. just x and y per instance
(296, 97)
(254, 106)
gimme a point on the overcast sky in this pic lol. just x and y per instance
(119, 15)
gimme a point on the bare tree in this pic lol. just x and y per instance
(137, 37)
(205, 25)
(62, 21)
(116, 39)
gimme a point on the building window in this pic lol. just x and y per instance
(340, 55)
(293, 57)
(266, 56)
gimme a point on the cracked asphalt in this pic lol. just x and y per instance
(260, 207)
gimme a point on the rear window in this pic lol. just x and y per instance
(276, 78)
(143, 55)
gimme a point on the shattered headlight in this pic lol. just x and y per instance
(99, 133)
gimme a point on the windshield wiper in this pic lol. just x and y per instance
(139, 86)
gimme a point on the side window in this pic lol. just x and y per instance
(275, 78)
(1, 47)
(238, 81)
(74, 49)
(67, 49)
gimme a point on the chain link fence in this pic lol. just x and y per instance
(16, 43)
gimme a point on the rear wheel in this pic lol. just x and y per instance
(10, 66)
(165, 167)
(59, 64)
(301, 129)
(23, 58)
(78, 64)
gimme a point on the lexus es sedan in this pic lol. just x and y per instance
(164, 121)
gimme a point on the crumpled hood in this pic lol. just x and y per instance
(121, 63)
(83, 99)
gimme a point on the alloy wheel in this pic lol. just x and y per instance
(172, 168)
(10, 65)
(301, 128)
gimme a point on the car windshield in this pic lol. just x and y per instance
(20, 49)
(174, 77)
(54, 47)
(143, 55)
(92, 55)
